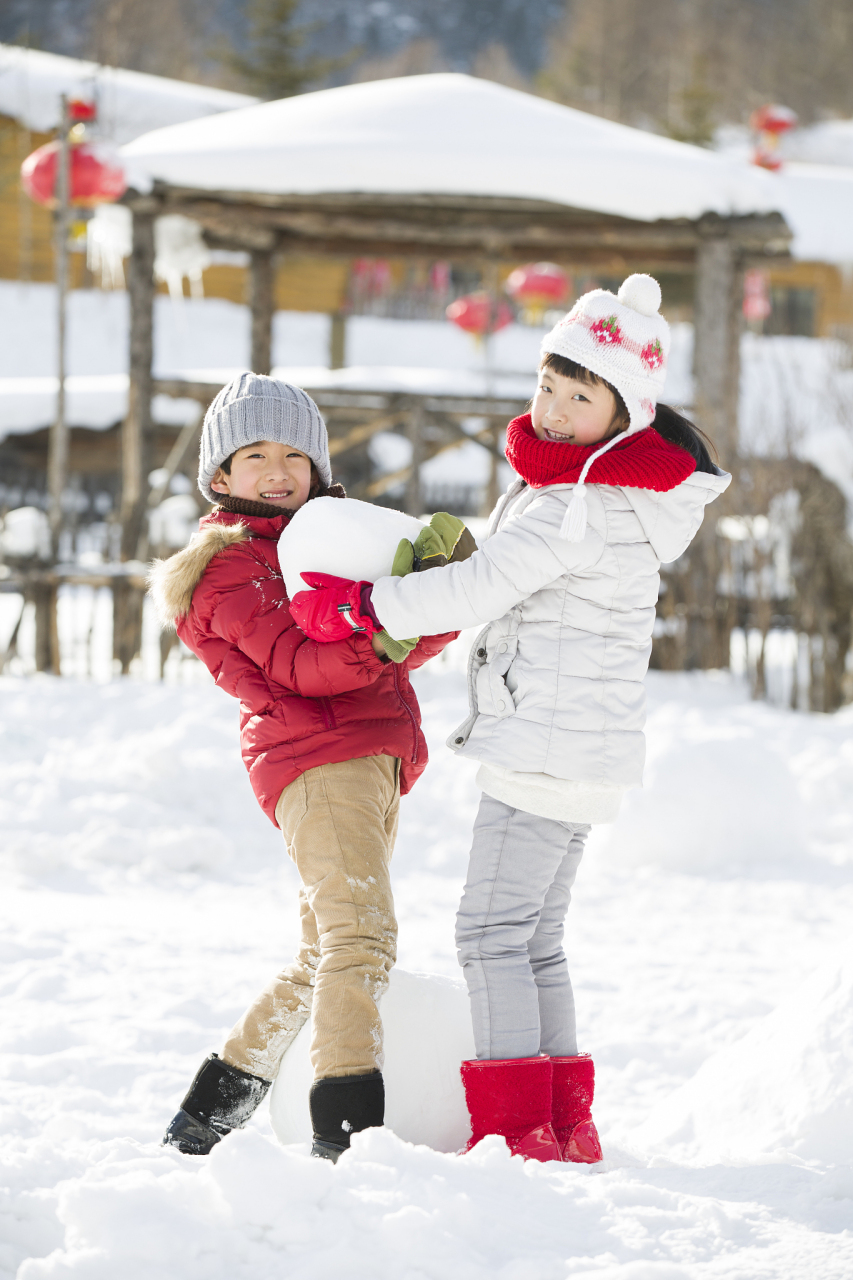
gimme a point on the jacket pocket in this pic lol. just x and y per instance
(493, 696)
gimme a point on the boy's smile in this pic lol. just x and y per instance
(267, 472)
(566, 411)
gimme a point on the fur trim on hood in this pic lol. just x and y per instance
(171, 582)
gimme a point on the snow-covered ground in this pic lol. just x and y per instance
(145, 898)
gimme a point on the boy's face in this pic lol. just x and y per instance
(267, 472)
(566, 411)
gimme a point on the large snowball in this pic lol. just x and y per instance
(343, 536)
(427, 1025)
(785, 1089)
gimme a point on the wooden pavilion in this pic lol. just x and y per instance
(434, 167)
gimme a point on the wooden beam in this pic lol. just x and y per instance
(345, 224)
(308, 233)
(415, 434)
(187, 438)
(486, 437)
(364, 431)
(261, 308)
(404, 475)
(461, 228)
(337, 400)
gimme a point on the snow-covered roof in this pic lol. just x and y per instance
(130, 102)
(830, 142)
(447, 134)
(813, 190)
(817, 204)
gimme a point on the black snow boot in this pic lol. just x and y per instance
(220, 1098)
(341, 1106)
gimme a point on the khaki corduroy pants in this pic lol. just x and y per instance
(340, 824)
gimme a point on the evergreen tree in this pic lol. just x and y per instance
(272, 65)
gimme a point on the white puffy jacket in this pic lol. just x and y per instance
(557, 704)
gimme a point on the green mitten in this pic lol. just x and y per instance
(397, 650)
(404, 559)
(456, 540)
(445, 540)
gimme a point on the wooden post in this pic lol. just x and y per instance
(716, 359)
(137, 430)
(47, 628)
(40, 593)
(716, 365)
(338, 341)
(493, 486)
(136, 439)
(261, 307)
(57, 459)
(414, 430)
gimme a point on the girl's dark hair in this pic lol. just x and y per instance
(668, 422)
(677, 429)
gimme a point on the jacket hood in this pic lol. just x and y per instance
(670, 520)
(171, 582)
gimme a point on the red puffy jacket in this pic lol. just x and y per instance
(302, 704)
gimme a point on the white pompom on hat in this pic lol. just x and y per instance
(624, 340)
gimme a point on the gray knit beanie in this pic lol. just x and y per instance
(251, 408)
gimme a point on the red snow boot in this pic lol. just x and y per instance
(512, 1097)
(573, 1084)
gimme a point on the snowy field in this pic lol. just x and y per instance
(146, 898)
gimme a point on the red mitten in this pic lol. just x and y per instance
(334, 610)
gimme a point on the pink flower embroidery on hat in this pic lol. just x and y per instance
(607, 331)
(652, 355)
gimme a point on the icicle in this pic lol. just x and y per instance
(573, 528)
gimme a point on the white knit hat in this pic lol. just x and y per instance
(624, 340)
(251, 408)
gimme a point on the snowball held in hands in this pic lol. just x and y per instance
(344, 537)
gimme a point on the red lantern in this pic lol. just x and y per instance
(773, 118)
(479, 313)
(538, 283)
(756, 296)
(80, 112)
(95, 176)
(770, 122)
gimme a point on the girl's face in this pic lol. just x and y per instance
(267, 472)
(566, 411)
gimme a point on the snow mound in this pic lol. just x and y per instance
(342, 536)
(730, 798)
(25, 532)
(427, 1025)
(784, 1089)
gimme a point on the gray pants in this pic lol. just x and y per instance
(509, 931)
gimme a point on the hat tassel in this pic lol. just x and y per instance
(573, 528)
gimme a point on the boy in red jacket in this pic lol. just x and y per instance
(331, 738)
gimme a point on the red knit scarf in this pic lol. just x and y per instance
(641, 461)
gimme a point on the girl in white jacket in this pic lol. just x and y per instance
(610, 484)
